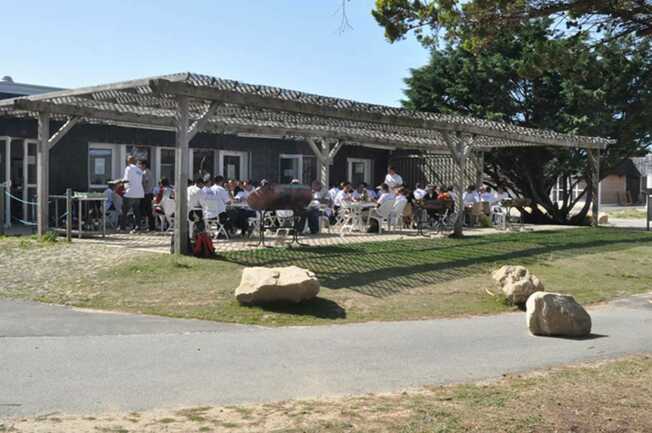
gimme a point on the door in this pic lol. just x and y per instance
(203, 163)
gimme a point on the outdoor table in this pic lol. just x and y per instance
(512, 204)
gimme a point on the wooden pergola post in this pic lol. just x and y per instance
(479, 169)
(460, 160)
(594, 167)
(325, 155)
(181, 235)
(43, 173)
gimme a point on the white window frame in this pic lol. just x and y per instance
(244, 162)
(157, 165)
(297, 156)
(367, 166)
(116, 151)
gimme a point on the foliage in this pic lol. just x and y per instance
(605, 20)
(531, 77)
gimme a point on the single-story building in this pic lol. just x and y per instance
(626, 183)
(91, 154)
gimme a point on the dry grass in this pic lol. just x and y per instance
(614, 396)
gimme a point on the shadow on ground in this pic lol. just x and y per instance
(385, 268)
(320, 308)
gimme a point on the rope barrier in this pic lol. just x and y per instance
(20, 200)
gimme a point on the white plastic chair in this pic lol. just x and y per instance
(396, 216)
(382, 214)
(168, 205)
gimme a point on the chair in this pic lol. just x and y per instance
(474, 213)
(382, 214)
(285, 220)
(396, 215)
(168, 205)
(212, 208)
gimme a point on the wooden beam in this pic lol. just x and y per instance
(594, 167)
(181, 178)
(335, 149)
(43, 173)
(315, 144)
(164, 86)
(200, 123)
(65, 128)
(93, 113)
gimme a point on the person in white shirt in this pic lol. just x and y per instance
(244, 213)
(385, 194)
(419, 192)
(486, 195)
(196, 199)
(223, 198)
(471, 196)
(393, 179)
(501, 194)
(344, 195)
(243, 194)
(334, 191)
(134, 194)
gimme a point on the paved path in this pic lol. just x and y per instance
(60, 359)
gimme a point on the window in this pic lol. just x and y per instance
(291, 168)
(233, 165)
(359, 170)
(100, 166)
(203, 162)
(166, 168)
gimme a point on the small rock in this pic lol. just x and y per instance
(516, 283)
(556, 314)
(603, 218)
(264, 285)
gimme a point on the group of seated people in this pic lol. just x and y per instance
(224, 202)
(483, 200)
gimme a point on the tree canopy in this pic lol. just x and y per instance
(531, 77)
(604, 20)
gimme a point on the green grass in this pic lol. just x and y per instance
(394, 280)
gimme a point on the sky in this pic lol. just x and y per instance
(287, 43)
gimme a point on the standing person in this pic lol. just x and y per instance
(148, 189)
(134, 194)
(393, 179)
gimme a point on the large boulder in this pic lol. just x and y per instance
(516, 283)
(555, 314)
(265, 285)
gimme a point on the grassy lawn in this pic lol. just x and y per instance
(396, 280)
(613, 396)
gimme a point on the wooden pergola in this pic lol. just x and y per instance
(188, 103)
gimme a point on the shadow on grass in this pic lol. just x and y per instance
(382, 269)
(317, 307)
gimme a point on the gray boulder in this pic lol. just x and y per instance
(516, 283)
(265, 285)
(555, 314)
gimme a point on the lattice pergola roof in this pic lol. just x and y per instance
(228, 106)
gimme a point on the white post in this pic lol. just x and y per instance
(42, 173)
(181, 177)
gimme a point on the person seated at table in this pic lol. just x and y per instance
(404, 199)
(471, 197)
(393, 179)
(360, 193)
(113, 204)
(313, 211)
(486, 195)
(335, 189)
(419, 192)
(244, 212)
(223, 198)
(371, 193)
(345, 195)
(385, 194)
(196, 201)
(501, 194)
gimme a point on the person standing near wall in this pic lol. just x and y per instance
(148, 189)
(134, 194)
